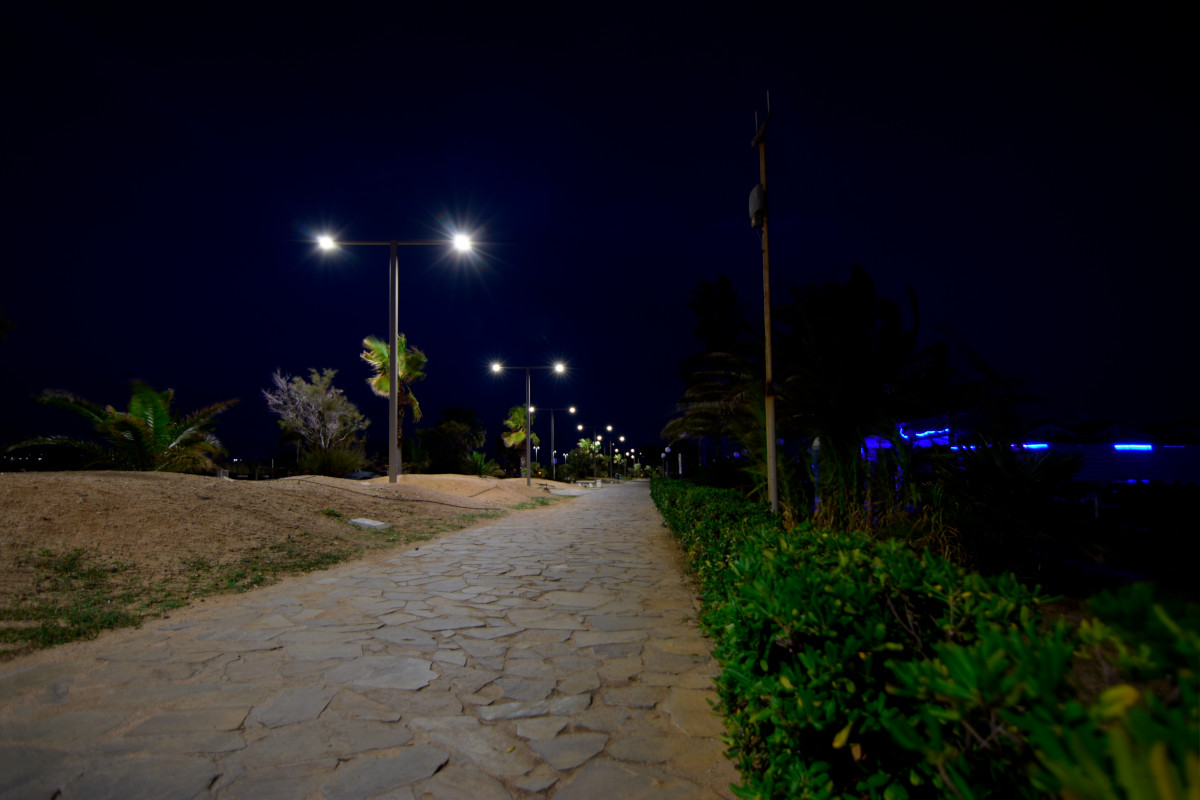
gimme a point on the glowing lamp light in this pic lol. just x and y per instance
(1142, 447)
(462, 243)
(497, 366)
(326, 242)
(560, 367)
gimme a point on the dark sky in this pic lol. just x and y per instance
(1029, 171)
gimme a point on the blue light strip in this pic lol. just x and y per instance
(1036, 446)
(1133, 447)
(922, 434)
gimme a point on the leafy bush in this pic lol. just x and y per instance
(318, 414)
(336, 461)
(150, 435)
(713, 526)
(854, 667)
(483, 466)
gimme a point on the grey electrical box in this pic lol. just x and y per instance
(758, 206)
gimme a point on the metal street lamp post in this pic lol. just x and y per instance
(553, 452)
(461, 243)
(597, 445)
(559, 368)
(612, 448)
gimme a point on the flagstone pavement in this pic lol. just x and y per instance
(550, 653)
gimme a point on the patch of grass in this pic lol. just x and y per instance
(463, 521)
(74, 599)
(79, 594)
(534, 502)
(471, 518)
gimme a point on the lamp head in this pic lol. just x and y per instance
(497, 366)
(462, 243)
(560, 367)
(326, 242)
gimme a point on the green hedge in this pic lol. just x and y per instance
(854, 667)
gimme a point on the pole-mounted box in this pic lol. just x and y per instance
(758, 206)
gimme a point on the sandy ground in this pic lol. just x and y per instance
(153, 523)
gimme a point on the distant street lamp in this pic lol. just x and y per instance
(597, 445)
(559, 368)
(553, 452)
(612, 444)
(462, 243)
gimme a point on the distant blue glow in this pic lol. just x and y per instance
(962, 447)
(1036, 446)
(1173, 446)
(1133, 447)
(923, 434)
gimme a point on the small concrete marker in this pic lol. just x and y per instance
(362, 522)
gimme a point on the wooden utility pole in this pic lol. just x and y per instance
(760, 141)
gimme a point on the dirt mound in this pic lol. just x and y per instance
(153, 526)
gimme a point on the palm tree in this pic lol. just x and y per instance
(842, 354)
(723, 380)
(515, 437)
(148, 436)
(410, 367)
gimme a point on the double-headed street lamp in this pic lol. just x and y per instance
(559, 368)
(610, 454)
(461, 243)
(598, 444)
(612, 448)
(553, 452)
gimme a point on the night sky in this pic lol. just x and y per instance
(1030, 172)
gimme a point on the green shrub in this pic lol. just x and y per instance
(713, 526)
(479, 464)
(854, 667)
(336, 461)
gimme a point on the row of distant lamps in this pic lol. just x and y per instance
(461, 243)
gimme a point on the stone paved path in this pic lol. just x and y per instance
(552, 653)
